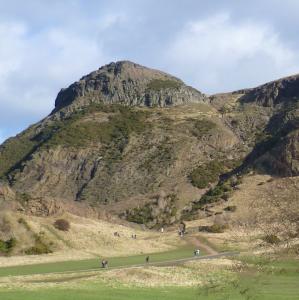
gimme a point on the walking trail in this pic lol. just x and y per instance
(196, 241)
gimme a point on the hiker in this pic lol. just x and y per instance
(104, 263)
(182, 228)
(147, 259)
(162, 230)
(197, 252)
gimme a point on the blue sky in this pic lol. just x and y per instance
(215, 46)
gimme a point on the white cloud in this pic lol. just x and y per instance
(219, 54)
(34, 65)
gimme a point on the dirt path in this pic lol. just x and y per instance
(196, 241)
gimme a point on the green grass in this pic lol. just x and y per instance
(81, 265)
(277, 281)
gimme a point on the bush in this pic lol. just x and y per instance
(38, 248)
(140, 215)
(271, 239)
(231, 208)
(205, 174)
(62, 224)
(7, 246)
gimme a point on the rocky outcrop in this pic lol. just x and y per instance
(271, 94)
(129, 84)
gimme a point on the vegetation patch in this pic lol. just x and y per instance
(161, 84)
(141, 215)
(13, 151)
(71, 132)
(202, 127)
(205, 174)
(271, 239)
(231, 208)
(62, 224)
(221, 191)
(117, 130)
(208, 173)
(155, 214)
(39, 247)
(7, 246)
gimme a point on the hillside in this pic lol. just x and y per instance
(139, 144)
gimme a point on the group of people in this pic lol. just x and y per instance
(181, 231)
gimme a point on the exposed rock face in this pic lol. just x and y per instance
(279, 92)
(129, 84)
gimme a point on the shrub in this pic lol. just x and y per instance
(205, 174)
(62, 224)
(231, 208)
(7, 246)
(38, 248)
(140, 215)
(271, 239)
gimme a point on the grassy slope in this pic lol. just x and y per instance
(80, 265)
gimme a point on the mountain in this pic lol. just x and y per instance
(140, 144)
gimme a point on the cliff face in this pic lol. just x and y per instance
(275, 93)
(268, 118)
(129, 84)
(126, 135)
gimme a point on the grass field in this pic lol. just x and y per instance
(278, 281)
(259, 279)
(81, 265)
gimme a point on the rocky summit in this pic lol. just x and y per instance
(129, 84)
(140, 144)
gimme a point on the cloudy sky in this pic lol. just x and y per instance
(215, 46)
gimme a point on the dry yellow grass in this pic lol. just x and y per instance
(262, 205)
(87, 238)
